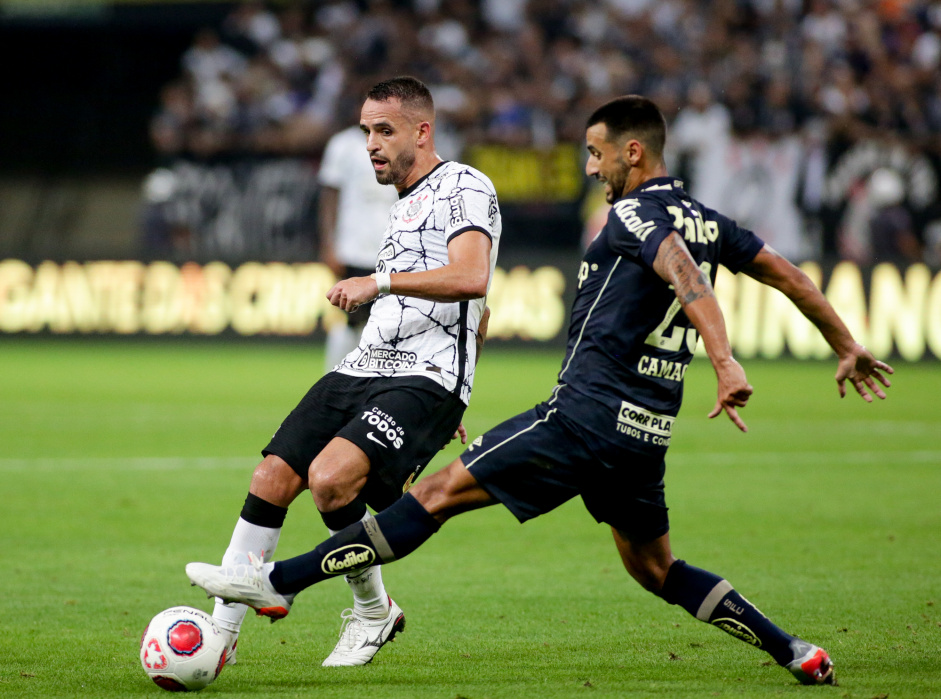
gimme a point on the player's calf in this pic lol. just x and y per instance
(713, 600)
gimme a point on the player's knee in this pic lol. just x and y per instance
(433, 492)
(276, 482)
(449, 492)
(331, 488)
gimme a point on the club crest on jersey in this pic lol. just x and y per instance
(414, 208)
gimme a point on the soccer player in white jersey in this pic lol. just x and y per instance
(364, 432)
(353, 214)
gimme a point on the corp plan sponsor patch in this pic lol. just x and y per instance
(644, 425)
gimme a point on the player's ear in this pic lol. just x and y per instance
(424, 133)
(633, 152)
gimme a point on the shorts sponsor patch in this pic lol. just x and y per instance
(645, 420)
(386, 433)
(644, 424)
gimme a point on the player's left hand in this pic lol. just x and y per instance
(734, 391)
(459, 433)
(860, 366)
(352, 293)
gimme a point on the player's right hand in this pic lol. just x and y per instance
(733, 391)
(350, 294)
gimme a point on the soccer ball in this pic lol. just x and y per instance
(182, 649)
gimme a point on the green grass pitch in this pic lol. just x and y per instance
(122, 461)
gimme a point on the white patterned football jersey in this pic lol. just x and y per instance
(408, 336)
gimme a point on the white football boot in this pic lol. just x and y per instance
(247, 584)
(361, 639)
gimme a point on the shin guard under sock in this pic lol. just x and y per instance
(370, 599)
(713, 600)
(392, 534)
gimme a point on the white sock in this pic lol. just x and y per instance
(370, 599)
(341, 340)
(261, 541)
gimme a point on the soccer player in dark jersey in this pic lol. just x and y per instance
(644, 298)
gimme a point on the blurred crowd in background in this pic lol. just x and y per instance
(823, 116)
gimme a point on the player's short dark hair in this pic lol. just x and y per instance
(411, 92)
(633, 116)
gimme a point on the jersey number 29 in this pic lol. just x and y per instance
(674, 341)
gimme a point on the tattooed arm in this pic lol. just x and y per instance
(856, 363)
(676, 266)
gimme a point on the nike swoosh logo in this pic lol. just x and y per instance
(371, 436)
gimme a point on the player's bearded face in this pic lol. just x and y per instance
(398, 168)
(607, 163)
(392, 136)
(616, 183)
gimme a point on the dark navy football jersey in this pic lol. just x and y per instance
(630, 342)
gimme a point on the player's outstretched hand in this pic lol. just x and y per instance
(861, 368)
(352, 293)
(734, 391)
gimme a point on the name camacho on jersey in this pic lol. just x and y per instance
(630, 342)
(414, 337)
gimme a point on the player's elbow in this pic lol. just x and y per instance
(473, 286)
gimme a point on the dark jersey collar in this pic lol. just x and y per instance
(660, 183)
(405, 192)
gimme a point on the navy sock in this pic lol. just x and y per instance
(390, 535)
(711, 599)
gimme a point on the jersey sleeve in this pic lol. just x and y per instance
(332, 171)
(739, 246)
(637, 226)
(468, 202)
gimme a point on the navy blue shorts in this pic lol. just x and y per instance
(534, 462)
(400, 424)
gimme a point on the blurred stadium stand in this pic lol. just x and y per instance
(193, 130)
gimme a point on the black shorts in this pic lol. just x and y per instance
(534, 462)
(400, 423)
(358, 318)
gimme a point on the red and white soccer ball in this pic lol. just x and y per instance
(182, 649)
